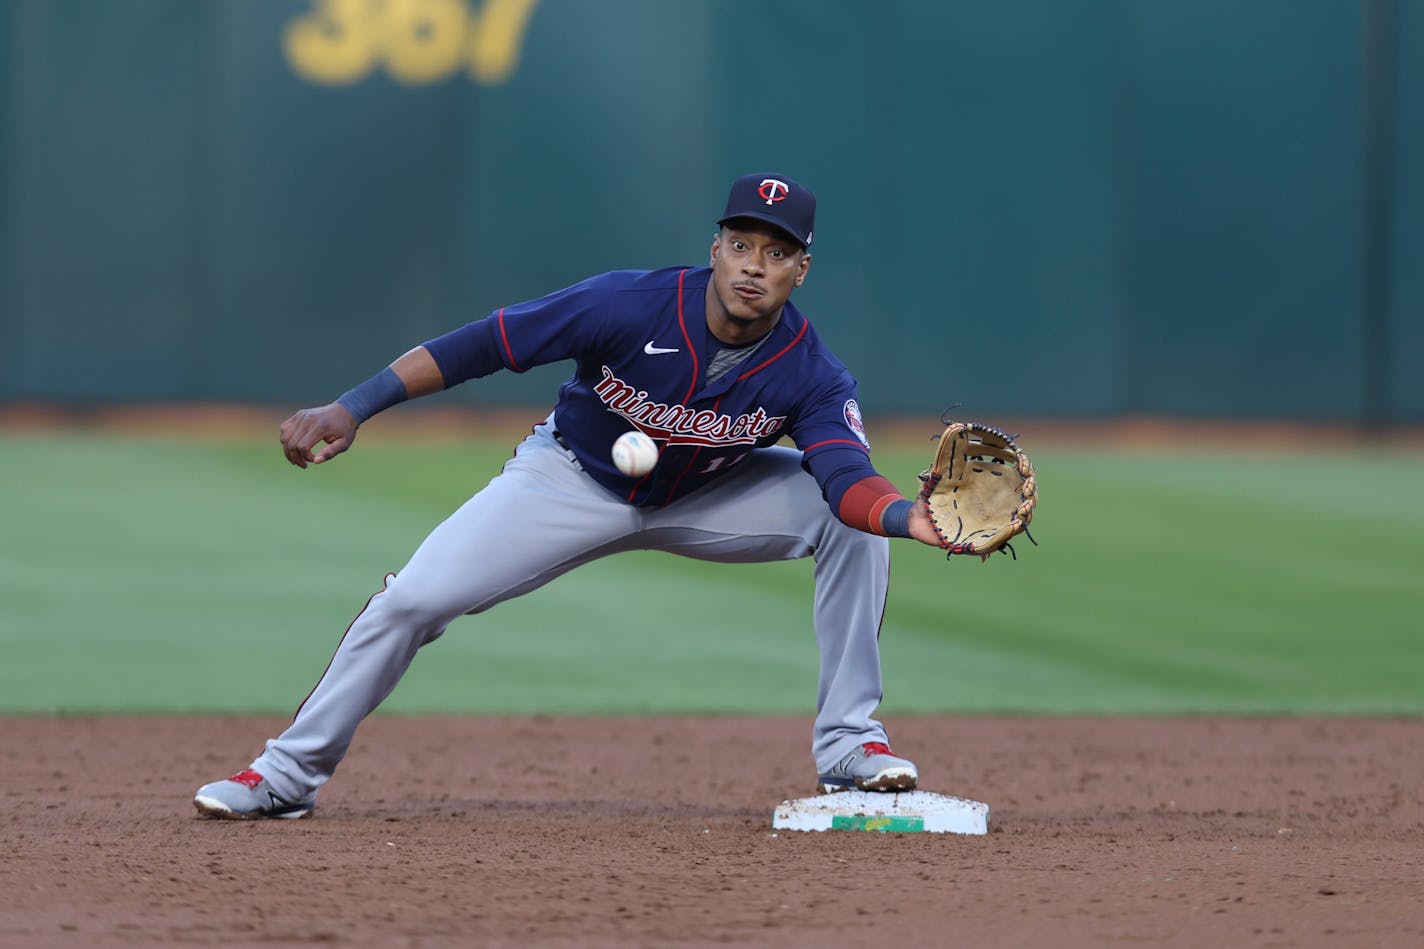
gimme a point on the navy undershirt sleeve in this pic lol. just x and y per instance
(469, 352)
(556, 326)
(836, 469)
(839, 470)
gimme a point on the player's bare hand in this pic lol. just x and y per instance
(330, 424)
(921, 527)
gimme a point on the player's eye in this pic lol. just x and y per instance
(738, 245)
(777, 253)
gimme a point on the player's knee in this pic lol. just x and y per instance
(406, 605)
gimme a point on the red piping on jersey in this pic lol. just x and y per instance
(504, 338)
(641, 481)
(691, 349)
(834, 441)
(691, 462)
(787, 348)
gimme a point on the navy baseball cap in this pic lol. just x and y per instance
(775, 199)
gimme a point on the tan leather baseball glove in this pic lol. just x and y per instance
(980, 490)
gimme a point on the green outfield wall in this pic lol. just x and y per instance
(1085, 207)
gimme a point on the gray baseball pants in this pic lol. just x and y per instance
(541, 517)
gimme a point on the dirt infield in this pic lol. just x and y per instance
(656, 832)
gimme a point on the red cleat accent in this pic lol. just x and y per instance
(249, 779)
(877, 748)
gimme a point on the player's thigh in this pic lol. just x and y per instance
(767, 508)
(538, 518)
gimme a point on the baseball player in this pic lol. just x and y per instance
(715, 365)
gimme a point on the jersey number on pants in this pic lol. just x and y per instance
(723, 461)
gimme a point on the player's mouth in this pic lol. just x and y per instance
(748, 291)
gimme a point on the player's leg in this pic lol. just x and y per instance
(769, 508)
(538, 519)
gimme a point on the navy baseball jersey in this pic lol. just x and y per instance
(641, 344)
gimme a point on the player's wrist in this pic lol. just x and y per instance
(376, 394)
(895, 520)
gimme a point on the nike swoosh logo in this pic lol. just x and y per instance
(652, 350)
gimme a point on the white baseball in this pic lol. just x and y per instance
(635, 454)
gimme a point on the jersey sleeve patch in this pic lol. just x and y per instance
(856, 423)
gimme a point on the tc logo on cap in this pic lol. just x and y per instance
(772, 198)
(773, 190)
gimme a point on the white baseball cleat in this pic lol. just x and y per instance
(247, 796)
(870, 767)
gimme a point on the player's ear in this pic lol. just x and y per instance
(716, 243)
(805, 266)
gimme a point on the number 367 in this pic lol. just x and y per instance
(418, 41)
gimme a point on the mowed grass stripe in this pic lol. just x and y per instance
(1191, 601)
(157, 575)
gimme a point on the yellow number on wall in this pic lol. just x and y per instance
(334, 45)
(424, 39)
(418, 41)
(496, 38)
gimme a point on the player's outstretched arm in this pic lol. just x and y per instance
(413, 375)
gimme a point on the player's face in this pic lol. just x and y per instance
(754, 270)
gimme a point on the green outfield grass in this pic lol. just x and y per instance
(149, 575)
